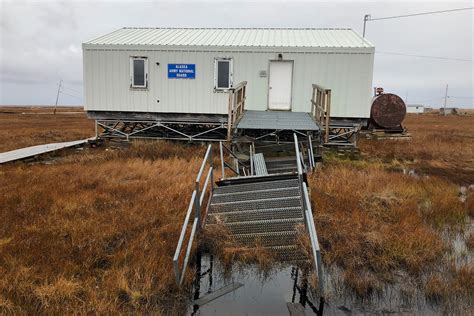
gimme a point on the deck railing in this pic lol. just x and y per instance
(197, 198)
(309, 221)
(311, 160)
(321, 108)
(237, 166)
(237, 98)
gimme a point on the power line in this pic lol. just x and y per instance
(424, 56)
(72, 89)
(368, 17)
(74, 96)
(417, 14)
(440, 98)
(430, 100)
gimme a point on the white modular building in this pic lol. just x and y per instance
(187, 74)
(415, 108)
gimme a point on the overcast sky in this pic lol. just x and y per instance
(40, 41)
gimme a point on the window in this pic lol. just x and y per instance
(138, 72)
(223, 73)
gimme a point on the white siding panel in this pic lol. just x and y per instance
(107, 81)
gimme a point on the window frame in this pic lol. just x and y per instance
(216, 73)
(132, 72)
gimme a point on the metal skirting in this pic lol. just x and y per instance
(175, 130)
(263, 126)
(157, 117)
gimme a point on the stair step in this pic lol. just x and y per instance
(280, 163)
(281, 159)
(281, 170)
(253, 195)
(268, 239)
(276, 166)
(263, 226)
(252, 215)
(290, 253)
(256, 186)
(257, 204)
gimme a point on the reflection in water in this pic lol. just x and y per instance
(302, 290)
(268, 296)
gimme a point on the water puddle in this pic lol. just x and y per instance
(247, 290)
(251, 291)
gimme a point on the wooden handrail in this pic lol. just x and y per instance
(321, 108)
(237, 98)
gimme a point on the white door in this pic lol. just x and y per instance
(279, 89)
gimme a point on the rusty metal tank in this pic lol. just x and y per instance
(388, 110)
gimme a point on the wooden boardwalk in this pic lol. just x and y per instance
(33, 151)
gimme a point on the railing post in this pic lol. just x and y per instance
(298, 159)
(310, 153)
(328, 113)
(236, 162)
(222, 160)
(251, 159)
(212, 172)
(229, 116)
(197, 205)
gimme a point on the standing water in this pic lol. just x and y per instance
(251, 291)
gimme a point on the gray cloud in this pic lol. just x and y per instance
(40, 42)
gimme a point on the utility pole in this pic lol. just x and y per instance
(445, 98)
(366, 18)
(57, 96)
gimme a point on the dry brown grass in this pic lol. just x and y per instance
(218, 240)
(453, 287)
(373, 222)
(96, 232)
(440, 145)
(470, 242)
(25, 126)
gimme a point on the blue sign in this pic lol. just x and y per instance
(181, 71)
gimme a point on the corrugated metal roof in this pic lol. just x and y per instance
(234, 37)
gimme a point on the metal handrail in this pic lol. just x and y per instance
(309, 221)
(224, 164)
(195, 203)
(311, 153)
(252, 153)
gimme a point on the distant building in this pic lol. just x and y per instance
(415, 108)
(428, 109)
(448, 111)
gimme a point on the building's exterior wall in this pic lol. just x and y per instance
(415, 109)
(448, 111)
(107, 81)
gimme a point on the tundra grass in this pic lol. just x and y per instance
(95, 231)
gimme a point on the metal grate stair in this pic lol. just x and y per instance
(257, 186)
(253, 195)
(252, 215)
(281, 165)
(264, 212)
